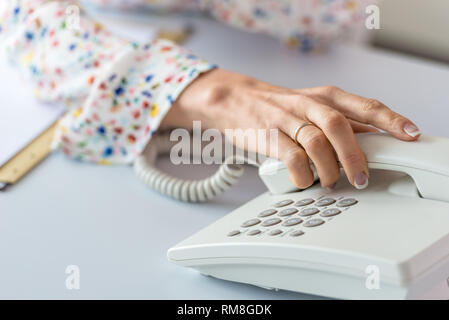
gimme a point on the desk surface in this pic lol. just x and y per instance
(117, 231)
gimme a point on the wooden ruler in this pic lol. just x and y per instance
(177, 36)
(27, 158)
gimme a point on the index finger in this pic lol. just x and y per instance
(374, 112)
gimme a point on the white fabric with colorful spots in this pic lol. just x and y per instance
(117, 92)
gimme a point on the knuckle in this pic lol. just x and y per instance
(218, 94)
(372, 105)
(331, 90)
(302, 99)
(334, 120)
(274, 117)
(314, 141)
(250, 82)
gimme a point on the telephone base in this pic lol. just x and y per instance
(384, 242)
(328, 285)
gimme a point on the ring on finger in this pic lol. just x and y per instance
(298, 129)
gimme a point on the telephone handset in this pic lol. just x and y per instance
(426, 161)
(388, 241)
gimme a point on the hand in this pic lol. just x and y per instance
(225, 100)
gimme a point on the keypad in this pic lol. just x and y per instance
(309, 212)
(275, 232)
(347, 202)
(287, 212)
(254, 232)
(292, 222)
(267, 213)
(250, 223)
(330, 212)
(271, 222)
(313, 223)
(296, 233)
(304, 202)
(325, 202)
(283, 203)
(293, 217)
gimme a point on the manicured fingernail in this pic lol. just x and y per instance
(332, 186)
(411, 130)
(361, 181)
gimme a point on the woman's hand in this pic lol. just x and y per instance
(225, 100)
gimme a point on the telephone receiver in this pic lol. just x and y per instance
(426, 161)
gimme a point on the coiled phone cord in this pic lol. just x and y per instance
(186, 190)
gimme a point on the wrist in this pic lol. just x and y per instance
(203, 99)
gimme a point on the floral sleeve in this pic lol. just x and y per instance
(117, 92)
(307, 24)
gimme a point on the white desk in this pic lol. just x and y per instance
(117, 231)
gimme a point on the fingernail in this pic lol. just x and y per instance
(411, 130)
(361, 181)
(332, 186)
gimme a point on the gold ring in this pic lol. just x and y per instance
(298, 129)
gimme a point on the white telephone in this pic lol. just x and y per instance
(389, 241)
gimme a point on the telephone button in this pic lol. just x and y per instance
(283, 203)
(292, 222)
(296, 233)
(271, 222)
(313, 223)
(325, 202)
(330, 212)
(267, 213)
(275, 232)
(233, 233)
(347, 202)
(254, 232)
(250, 223)
(304, 202)
(288, 212)
(309, 212)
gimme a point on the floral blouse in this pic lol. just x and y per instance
(117, 91)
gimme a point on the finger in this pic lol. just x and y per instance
(374, 112)
(296, 160)
(315, 143)
(319, 149)
(358, 127)
(339, 133)
(337, 130)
